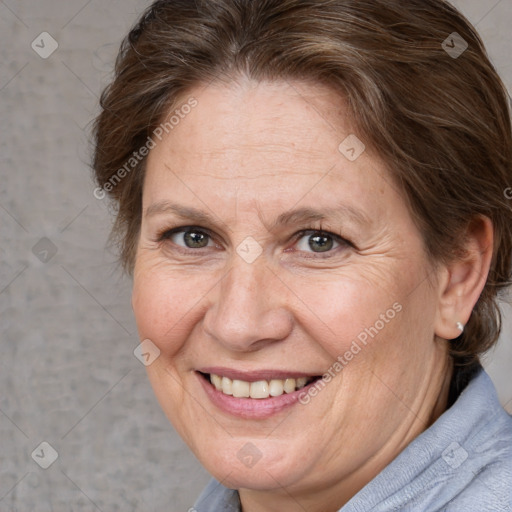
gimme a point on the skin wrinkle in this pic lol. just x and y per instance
(283, 310)
(258, 131)
(250, 178)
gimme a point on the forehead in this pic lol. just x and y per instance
(266, 144)
(261, 121)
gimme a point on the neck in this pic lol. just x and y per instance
(441, 403)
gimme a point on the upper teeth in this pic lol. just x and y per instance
(258, 389)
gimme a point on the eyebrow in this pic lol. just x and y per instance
(291, 217)
(180, 211)
(302, 215)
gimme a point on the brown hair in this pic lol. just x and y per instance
(439, 120)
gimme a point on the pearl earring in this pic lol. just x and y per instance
(460, 326)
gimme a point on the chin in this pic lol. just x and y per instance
(258, 464)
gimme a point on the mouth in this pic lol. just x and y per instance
(255, 395)
(259, 389)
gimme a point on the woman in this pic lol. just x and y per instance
(311, 201)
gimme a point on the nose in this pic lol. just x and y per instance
(248, 308)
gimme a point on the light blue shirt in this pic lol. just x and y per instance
(461, 463)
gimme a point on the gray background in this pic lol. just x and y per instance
(68, 375)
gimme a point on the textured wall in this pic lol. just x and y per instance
(68, 374)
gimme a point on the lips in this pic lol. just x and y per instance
(256, 384)
(253, 395)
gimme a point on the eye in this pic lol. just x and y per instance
(190, 237)
(308, 241)
(319, 241)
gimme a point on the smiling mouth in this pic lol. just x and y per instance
(258, 389)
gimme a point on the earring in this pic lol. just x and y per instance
(460, 326)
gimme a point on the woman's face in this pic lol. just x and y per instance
(270, 254)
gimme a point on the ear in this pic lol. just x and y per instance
(461, 281)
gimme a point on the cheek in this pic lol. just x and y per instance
(366, 317)
(340, 309)
(163, 305)
(363, 303)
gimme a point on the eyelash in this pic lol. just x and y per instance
(340, 240)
